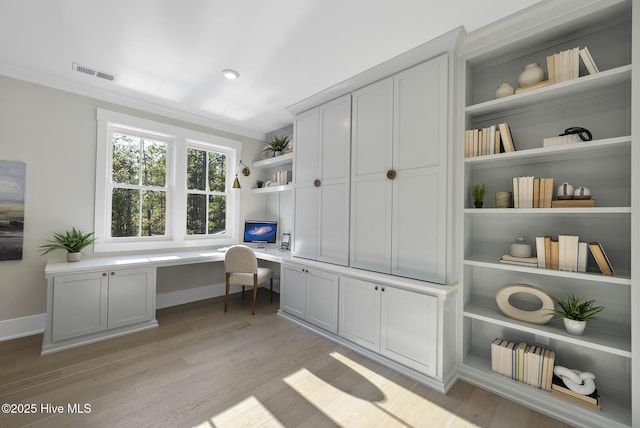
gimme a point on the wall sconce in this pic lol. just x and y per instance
(245, 171)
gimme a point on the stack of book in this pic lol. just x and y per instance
(520, 261)
(564, 65)
(559, 389)
(531, 192)
(529, 364)
(573, 203)
(491, 140)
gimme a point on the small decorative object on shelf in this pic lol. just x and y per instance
(478, 191)
(520, 248)
(576, 386)
(565, 191)
(503, 199)
(72, 241)
(276, 145)
(582, 193)
(575, 312)
(259, 184)
(531, 74)
(504, 90)
(542, 315)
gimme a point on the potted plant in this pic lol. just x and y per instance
(72, 241)
(276, 145)
(575, 312)
(477, 192)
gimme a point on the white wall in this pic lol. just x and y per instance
(54, 133)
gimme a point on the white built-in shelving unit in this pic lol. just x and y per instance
(601, 103)
(274, 163)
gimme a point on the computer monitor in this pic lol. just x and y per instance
(260, 232)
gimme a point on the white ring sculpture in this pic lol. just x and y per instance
(577, 381)
(540, 316)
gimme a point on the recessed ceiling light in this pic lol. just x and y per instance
(230, 74)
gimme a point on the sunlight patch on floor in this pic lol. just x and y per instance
(250, 412)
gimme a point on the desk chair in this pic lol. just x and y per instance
(241, 267)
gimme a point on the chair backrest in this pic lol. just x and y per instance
(240, 259)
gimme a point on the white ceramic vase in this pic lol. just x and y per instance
(504, 90)
(532, 73)
(520, 248)
(574, 327)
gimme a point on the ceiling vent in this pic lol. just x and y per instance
(93, 72)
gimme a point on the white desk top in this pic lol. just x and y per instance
(155, 259)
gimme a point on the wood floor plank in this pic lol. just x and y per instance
(206, 368)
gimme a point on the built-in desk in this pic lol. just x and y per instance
(100, 298)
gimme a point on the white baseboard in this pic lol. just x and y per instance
(21, 327)
(180, 297)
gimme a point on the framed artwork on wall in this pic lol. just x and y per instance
(12, 180)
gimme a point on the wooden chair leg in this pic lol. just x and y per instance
(255, 293)
(271, 286)
(226, 294)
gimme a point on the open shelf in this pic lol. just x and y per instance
(272, 189)
(273, 162)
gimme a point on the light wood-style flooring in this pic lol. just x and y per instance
(205, 368)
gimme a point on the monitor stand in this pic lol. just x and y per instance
(261, 245)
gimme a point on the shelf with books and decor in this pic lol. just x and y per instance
(548, 155)
(280, 169)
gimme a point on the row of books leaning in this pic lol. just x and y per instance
(488, 141)
(533, 365)
(567, 253)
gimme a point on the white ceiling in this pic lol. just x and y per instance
(168, 54)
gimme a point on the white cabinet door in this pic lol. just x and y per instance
(371, 197)
(399, 187)
(293, 286)
(79, 304)
(131, 296)
(359, 319)
(321, 185)
(322, 299)
(409, 329)
(420, 161)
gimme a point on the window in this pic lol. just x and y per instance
(206, 197)
(160, 186)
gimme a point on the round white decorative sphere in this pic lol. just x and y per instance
(504, 90)
(532, 73)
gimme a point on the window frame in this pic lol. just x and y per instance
(179, 140)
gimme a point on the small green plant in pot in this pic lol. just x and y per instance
(575, 312)
(276, 145)
(478, 191)
(72, 241)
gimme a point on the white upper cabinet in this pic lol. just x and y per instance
(321, 177)
(399, 173)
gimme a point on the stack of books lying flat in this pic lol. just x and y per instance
(520, 261)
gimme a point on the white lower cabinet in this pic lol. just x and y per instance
(94, 302)
(310, 294)
(399, 324)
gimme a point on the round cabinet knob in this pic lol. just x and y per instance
(104, 274)
(391, 174)
(376, 288)
(316, 182)
(382, 288)
(113, 273)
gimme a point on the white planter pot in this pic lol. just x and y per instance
(574, 327)
(73, 257)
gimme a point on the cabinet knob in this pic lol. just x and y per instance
(104, 274)
(316, 182)
(113, 273)
(391, 174)
(382, 288)
(375, 288)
